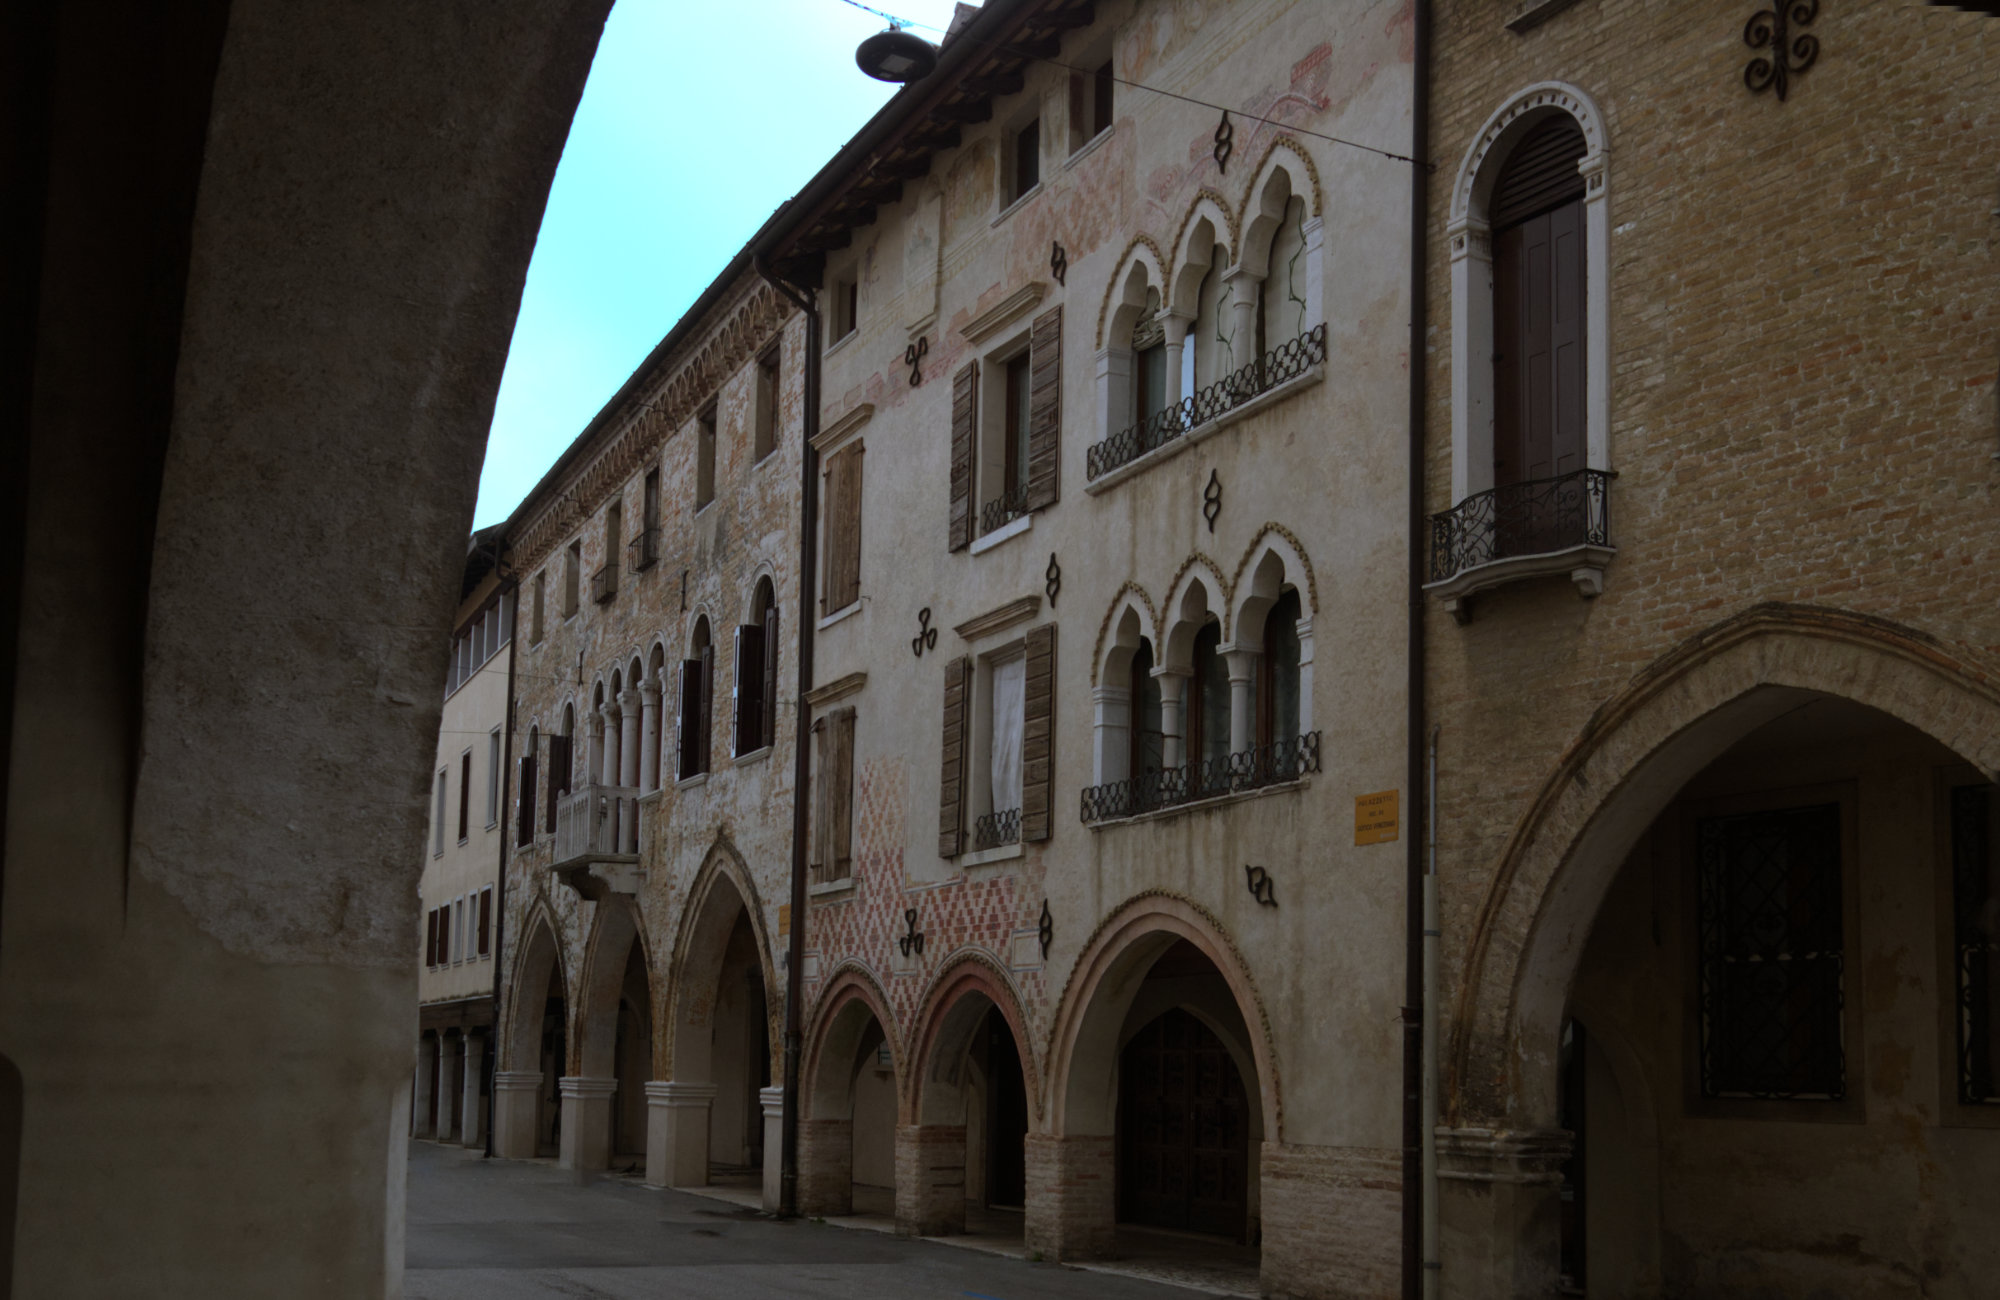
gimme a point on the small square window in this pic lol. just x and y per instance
(844, 307)
(1024, 153)
(1090, 104)
(573, 578)
(704, 457)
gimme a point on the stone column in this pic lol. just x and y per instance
(826, 1166)
(677, 1133)
(586, 1123)
(1305, 626)
(1072, 1196)
(1242, 696)
(1112, 733)
(593, 748)
(930, 1179)
(427, 1072)
(1500, 1211)
(1173, 716)
(1314, 233)
(451, 1055)
(471, 1128)
(1114, 392)
(628, 769)
(773, 1100)
(1176, 325)
(1243, 288)
(649, 734)
(516, 1104)
(609, 764)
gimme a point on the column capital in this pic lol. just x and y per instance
(517, 1080)
(583, 1086)
(1486, 1155)
(628, 700)
(673, 1092)
(649, 689)
(1109, 694)
(773, 1100)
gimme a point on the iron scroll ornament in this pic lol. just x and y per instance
(913, 357)
(1225, 142)
(912, 941)
(1046, 930)
(1052, 579)
(1261, 887)
(926, 637)
(1211, 499)
(1058, 262)
(1790, 55)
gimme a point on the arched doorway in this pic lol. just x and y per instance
(967, 1151)
(849, 1089)
(632, 1065)
(604, 1109)
(710, 1117)
(527, 1102)
(1726, 1055)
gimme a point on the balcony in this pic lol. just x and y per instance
(1003, 509)
(643, 551)
(1278, 763)
(1506, 534)
(597, 841)
(604, 583)
(996, 830)
(1192, 417)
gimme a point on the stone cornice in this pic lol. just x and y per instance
(837, 689)
(994, 620)
(1003, 313)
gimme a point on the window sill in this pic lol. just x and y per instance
(1584, 564)
(1202, 432)
(702, 509)
(849, 610)
(984, 857)
(690, 782)
(1026, 196)
(1006, 532)
(835, 890)
(1210, 804)
(840, 342)
(1087, 148)
(756, 755)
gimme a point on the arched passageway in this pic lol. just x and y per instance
(1738, 1048)
(601, 1121)
(849, 1088)
(527, 1100)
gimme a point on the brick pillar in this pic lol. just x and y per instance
(930, 1179)
(826, 1167)
(1072, 1196)
(1499, 1211)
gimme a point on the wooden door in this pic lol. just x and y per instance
(1183, 1131)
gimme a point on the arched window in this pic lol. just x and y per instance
(1146, 755)
(1149, 362)
(1210, 353)
(1278, 677)
(755, 688)
(1538, 309)
(562, 757)
(696, 699)
(655, 688)
(1208, 715)
(524, 817)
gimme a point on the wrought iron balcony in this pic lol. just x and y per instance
(644, 549)
(1556, 525)
(1285, 362)
(597, 840)
(995, 829)
(1251, 769)
(1003, 509)
(604, 583)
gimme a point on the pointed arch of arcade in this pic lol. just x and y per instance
(539, 957)
(1622, 769)
(1084, 1041)
(947, 1019)
(722, 889)
(851, 997)
(615, 932)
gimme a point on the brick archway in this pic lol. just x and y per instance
(851, 1002)
(1621, 770)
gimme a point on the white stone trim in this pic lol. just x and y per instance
(1005, 312)
(1006, 532)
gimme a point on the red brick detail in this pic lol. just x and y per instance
(1072, 1196)
(1332, 1220)
(826, 1166)
(930, 1179)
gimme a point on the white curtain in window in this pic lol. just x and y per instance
(1010, 681)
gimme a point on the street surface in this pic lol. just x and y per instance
(524, 1230)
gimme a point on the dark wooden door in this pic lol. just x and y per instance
(1006, 1118)
(1183, 1132)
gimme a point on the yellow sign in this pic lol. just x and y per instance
(784, 918)
(1375, 817)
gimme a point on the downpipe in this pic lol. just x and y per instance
(1432, 1264)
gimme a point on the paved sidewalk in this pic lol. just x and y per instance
(524, 1230)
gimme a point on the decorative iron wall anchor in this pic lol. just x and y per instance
(1225, 142)
(1046, 931)
(1053, 579)
(913, 357)
(1058, 262)
(926, 637)
(1790, 55)
(1261, 887)
(1211, 499)
(911, 942)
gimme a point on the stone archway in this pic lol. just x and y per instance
(534, 1051)
(847, 1095)
(614, 1030)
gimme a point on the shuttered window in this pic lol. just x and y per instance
(444, 935)
(1538, 308)
(689, 719)
(843, 529)
(746, 690)
(1045, 408)
(524, 816)
(770, 682)
(559, 775)
(951, 767)
(833, 808)
(1038, 735)
(485, 921)
(464, 795)
(964, 437)
(431, 937)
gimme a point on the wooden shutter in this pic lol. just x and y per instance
(746, 691)
(840, 829)
(1038, 740)
(770, 684)
(687, 722)
(444, 935)
(702, 738)
(485, 921)
(559, 775)
(1540, 173)
(822, 777)
(951, 790)
(843, 529)
(964, 430)
(1044, 408)
(464, 795)
(1538, 309)
(431, 938)
(525, 817)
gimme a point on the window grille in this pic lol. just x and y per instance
(1771, 954)
(1975, 895)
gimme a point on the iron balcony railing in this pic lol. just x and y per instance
(1286, 361)
(1251, 769)
(604, 583)
(597, 821)
(995, 829)
(1532, 518)
(644, 549)
(1003, 509)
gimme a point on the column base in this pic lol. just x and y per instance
(516, 1105)
(773, 1100)
(677, 1133)
(586, 1123)
(1072, 1196)
(1500, 1211)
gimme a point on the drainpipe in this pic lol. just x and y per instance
(1432, 1264)
(1417, 1031)
(511, 586)
(795, 955)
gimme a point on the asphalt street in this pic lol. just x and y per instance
(524, 1230)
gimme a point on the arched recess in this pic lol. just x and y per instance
(1132, 302)
(538, 975)
(722, 895)
(1198, 719)
(1626, 765)
(615, 1020)
(844, 1099)
(1121, 698)
(1275, 574)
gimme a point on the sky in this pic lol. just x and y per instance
(697, 122)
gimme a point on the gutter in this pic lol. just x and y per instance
(1420, 1267)
(795, 953)
(509, 585)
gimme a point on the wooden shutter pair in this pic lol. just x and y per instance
(697, 677)
(843, 529)
(431, 938)
(559, 775)
(964, 440)
(1044, 428)
(833, 812)
(770, 682)
(485, 921)
(746, 690)
(1037, 744)
(525, 816)
(444, 935)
